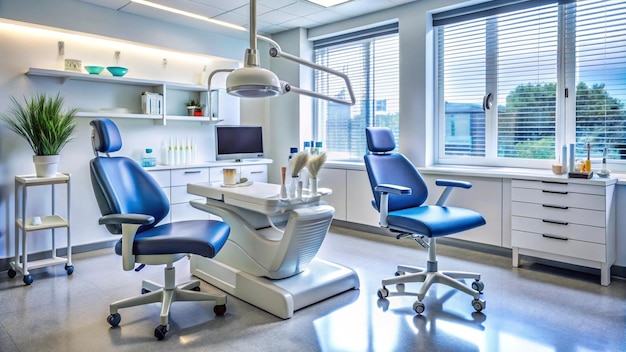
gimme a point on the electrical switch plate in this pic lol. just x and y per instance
(73, 65)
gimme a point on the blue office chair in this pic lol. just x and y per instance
(132, 203)
(399, 196)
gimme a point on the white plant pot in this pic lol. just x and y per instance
(46, 165)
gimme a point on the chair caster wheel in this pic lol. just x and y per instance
(479, 304)
(69, 269)
(144, 291)
(383, 293)
(419, 307)
(400, 288)
(11, 273)
(220, 309)
(478, 286)
(160, 331)
(197, 289)
(399, 273)
(28, 279)
(114, 319)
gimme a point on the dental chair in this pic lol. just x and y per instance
(132, 204)
(399, 196)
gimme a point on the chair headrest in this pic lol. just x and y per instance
(380, 139)
(105, 137)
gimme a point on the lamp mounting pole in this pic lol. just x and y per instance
(252, 57)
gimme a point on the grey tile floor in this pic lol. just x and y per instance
(531, 308)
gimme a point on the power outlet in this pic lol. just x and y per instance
(73, 65)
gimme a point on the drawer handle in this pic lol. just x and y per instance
(555, 237)
(555, 182)
(554, 192)
(256, 172)
(555, 222)
(193, 172)
(554, 206)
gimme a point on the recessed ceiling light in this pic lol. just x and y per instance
(189, 14)
(328, 3)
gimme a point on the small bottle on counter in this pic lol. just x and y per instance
(148, 159)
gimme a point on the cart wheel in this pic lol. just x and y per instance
(28, 279)
(11, 273)
(69, 269)
(160, 331)
(114, 319)
(220, 309)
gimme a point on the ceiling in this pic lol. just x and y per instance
(272, 15)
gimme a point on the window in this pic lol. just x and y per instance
(370, 59)
(517, 80)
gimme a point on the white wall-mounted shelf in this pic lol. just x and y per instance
(178, 92)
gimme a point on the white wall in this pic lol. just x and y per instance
(23, 48)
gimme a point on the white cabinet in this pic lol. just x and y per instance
(359, 199)
(571, 221)
(253, 172)
(180, 208)
(174, 183)
(335, 179)
(124, 100)
(485, 197)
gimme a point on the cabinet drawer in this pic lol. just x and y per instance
(180, 195)
(182, 177)
(559, 198)
(184, 211)
(161, 176)
(569, 248)
(565, 214)
(562, 229)
(256, 173)
(557, 186)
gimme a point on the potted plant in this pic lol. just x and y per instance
(45, 126)
(194, 108)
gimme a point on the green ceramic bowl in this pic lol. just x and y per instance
(117, 70)
(94, 70)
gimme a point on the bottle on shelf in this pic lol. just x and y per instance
(304, 174)
(148, 159)
(318, 148)
(291, 183)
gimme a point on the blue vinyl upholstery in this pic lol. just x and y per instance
(399, 195)
(406, 211)
(133, 204)
(122, 186)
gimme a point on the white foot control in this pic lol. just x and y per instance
(35, 221)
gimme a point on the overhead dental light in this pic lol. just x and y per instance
(252, 81)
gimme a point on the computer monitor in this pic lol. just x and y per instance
(238, 142)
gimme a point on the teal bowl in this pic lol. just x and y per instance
(94, 70)
(117, 71)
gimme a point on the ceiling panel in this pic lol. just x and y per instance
(272, 15)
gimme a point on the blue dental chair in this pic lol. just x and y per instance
(399, 196)
(132, 203)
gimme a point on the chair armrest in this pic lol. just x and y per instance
(393, 189)
(385, 189)
(116, 219)
(450, 185)
(453, 183)
(130, 224)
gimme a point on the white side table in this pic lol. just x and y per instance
(25, 224)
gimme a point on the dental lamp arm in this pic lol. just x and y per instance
(276, 51)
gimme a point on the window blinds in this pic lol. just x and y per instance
(370, 59)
